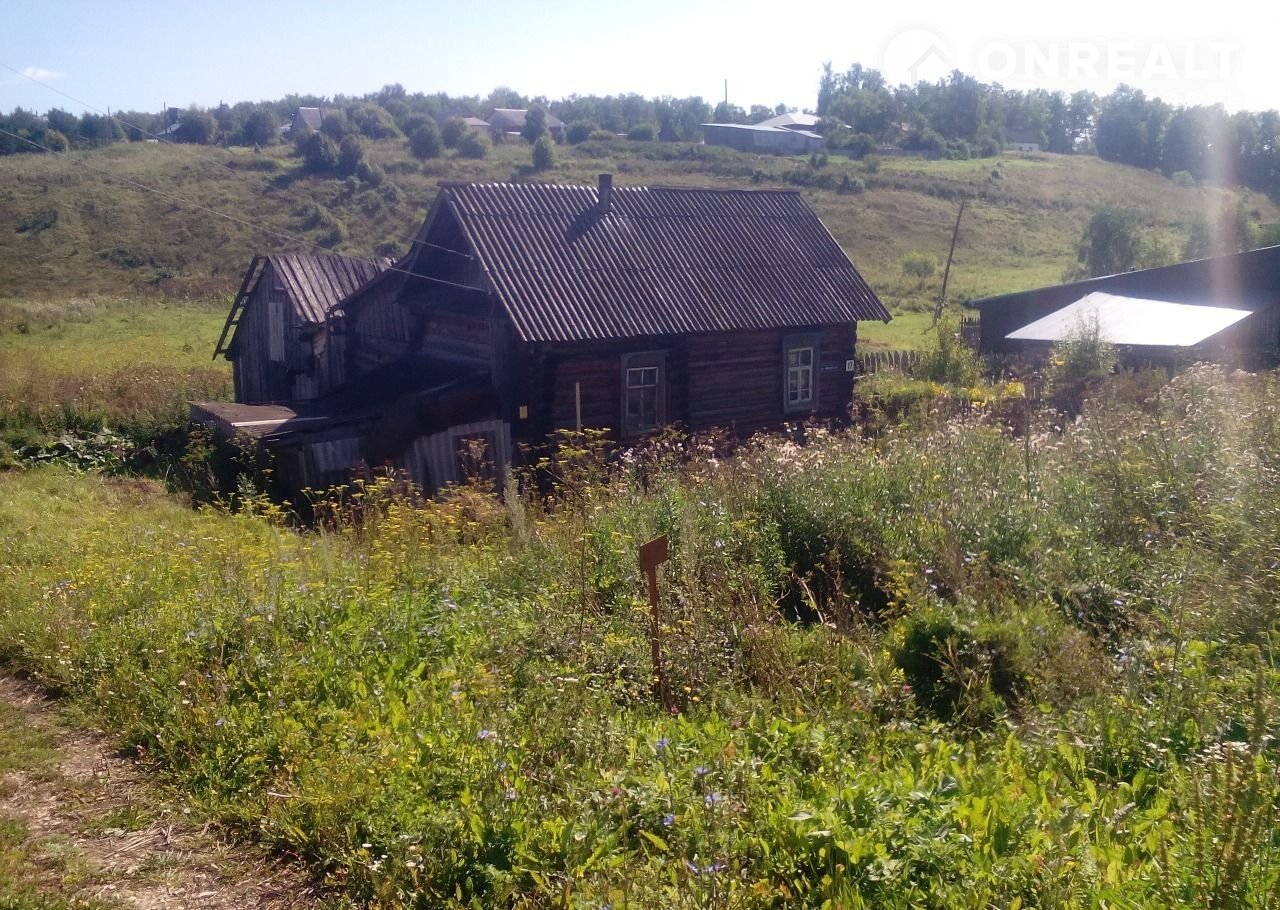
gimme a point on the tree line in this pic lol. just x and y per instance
(860, 114)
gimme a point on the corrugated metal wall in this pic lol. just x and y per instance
(432, 461)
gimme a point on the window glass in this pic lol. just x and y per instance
(799, 376)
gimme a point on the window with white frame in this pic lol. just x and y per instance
(800, 361)
(643, 392)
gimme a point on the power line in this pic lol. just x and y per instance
(172, 197)
(85, 104)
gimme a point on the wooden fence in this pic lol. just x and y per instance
(878, 361)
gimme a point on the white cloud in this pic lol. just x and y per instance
(40, 74)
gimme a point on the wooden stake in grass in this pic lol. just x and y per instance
(652, 555)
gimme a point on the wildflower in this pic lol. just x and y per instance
(713, 799)
(662, 744)
(700, 772)
(485, 735)
(668, 820)
(510, 794)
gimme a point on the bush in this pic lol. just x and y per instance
(426, 141)
(473, 145)
(350, 155)
(370, 174)
(645, 132)
(1081, 358)
(920, 266)
(959, 668)
(452, 132)
(951, 362)
(579, 131)
(319, 153)
(544, 154)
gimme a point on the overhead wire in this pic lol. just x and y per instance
(86, 105)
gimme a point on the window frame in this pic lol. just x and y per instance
(643, 360)
(809, 341)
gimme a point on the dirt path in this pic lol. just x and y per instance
(96, 835)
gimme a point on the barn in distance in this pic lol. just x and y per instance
(522, 309)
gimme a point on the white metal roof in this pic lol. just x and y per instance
(1132, 320)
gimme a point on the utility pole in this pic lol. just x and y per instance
(946, 274)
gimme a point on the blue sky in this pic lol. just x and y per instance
(140, 54)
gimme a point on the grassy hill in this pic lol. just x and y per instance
(83, 226)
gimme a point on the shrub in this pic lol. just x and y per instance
(644, 132)
(350, 155)
(960, 668)
(370, 174)
(544, 155)
(579, 131)
(951, 362)
(426, 141)
(920, 266)
(473, 145)
(1078, 361)
(452, 132)
(319, 154)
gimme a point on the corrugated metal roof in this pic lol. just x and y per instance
(1133, 321)
(792, 120)
(317, 282)
(1250, 279)
(512, 119)
(663, 261)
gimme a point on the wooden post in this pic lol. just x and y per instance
(946, 274)
(652, 555)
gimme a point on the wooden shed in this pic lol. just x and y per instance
(275, 334)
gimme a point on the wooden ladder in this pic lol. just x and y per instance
(237, 307)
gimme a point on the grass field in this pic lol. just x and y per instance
(1022, 675)
(82, 229)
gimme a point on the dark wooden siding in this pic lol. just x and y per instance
(259, 354)
(379, 331)
(733, 380)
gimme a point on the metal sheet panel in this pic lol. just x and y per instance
(662, 261)
(1132, 321)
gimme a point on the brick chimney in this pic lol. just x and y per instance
(606, 194)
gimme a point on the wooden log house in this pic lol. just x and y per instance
(525, 308)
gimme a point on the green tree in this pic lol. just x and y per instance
(1111, 243)
(579, 131)
(426, 141)
(65, 122)
(535, 124)
(473, 145)
(335, 125)
(544, 155)
(319, 153)
(197, 127)
(350, 155)
(260, 128)
(452, 132)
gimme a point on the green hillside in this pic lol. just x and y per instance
(81, 225)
